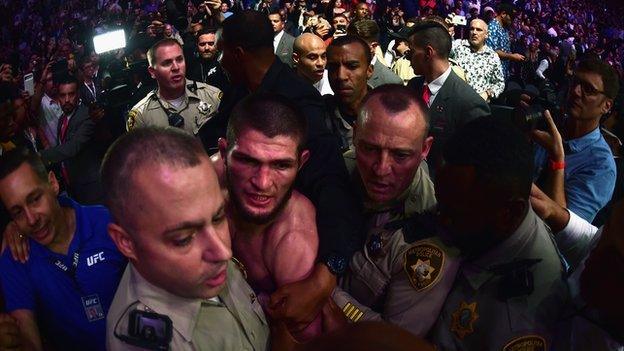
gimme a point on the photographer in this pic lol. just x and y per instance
(576, 169)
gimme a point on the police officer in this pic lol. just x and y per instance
(403, 273)
(510, 290)
(181, 290)
(177, 102)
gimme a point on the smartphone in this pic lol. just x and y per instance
(29, 84)
(459, 20)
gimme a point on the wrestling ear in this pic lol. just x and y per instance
(123, 240)
(223, 146)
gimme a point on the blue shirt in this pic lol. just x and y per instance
(589, 174)
(498, 39)
(70, 304)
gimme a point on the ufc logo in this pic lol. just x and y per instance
(93, 259)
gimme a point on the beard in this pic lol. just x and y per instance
(250, 217)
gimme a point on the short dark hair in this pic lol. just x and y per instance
(365, 29)
(270, 114)
(65, 79)
(207, 30)
(397, 98)
(500, 153)
(248, 29)
(141, 147)
(151, 53)
(277, 12)
(434, 34)
(506, 8)
(608, 74)
(351, 39)
(12, 160)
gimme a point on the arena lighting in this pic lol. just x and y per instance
(109, 41)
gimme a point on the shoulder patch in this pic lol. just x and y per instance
(423, 264)
(131, 121)
(526, 343)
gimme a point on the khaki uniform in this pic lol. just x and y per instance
(235, 322)
(404, 272)
(508, 299)
(201, 102)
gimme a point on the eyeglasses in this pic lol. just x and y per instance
(175, 120)
(586, 87)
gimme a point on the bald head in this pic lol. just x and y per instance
(478, 33)
(309, 56)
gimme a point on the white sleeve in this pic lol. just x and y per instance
(576, 239)
(541, 68)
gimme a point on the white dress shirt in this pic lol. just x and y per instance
(436, 85)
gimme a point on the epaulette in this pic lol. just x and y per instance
(415, 227)
(516, 277)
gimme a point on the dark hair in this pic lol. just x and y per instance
(505, 7)
(499, 152)
(434, 34)
(608, 74)
(270, 114)
(12, 160)
(365, 29)
(151, 53)
(207, 30)
(351, 39)
(65, 79)
(141, 147)
(248, 29)
(397, 98)
(277, 12)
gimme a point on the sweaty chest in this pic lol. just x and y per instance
(252, 253)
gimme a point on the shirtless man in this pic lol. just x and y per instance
(272, 226)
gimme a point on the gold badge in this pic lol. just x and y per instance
(423, 264)
(352, 312)
(463, 319)
(526, 343)
(240, 266)
(131, 122)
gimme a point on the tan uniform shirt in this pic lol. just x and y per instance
(198, 107)
(400, 277)
(235, 322)
(509, 298)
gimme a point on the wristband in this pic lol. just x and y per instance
(555, 166)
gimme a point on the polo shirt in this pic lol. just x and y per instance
(589, 174)
(70, 304)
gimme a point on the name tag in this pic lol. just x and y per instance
(92, 307)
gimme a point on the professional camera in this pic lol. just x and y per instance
(531, 117)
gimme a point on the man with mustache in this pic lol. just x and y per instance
(484, 72)
(181, 290)
(177, 102)
(76, 151)
(273, 226)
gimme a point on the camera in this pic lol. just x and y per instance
(341, 28)
(152, 330)
(532, 117)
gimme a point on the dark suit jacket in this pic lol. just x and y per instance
(85, 94)
(80, 157)
(324, 178)
(285, 49)
(455, 105)
(383, 75)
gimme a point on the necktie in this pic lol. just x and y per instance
(64, 124)
(426, 94)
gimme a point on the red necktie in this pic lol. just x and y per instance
(64, 124)
(426, 94)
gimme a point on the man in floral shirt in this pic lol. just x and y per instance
(484, 72)
(498, 38)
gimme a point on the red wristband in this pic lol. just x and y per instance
(555, 166)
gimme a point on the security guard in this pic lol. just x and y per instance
(181, 289)
(403, 273)
(510, 291)
(233, 320)
(177, 102)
